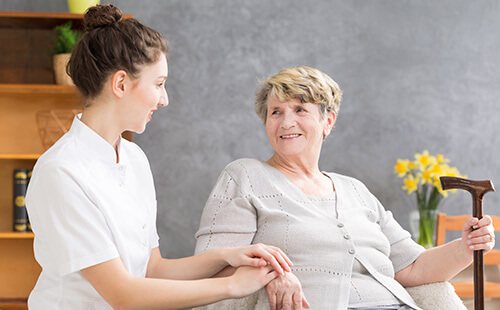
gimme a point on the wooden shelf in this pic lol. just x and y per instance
(40, 20)
(15, 89)
(14, 303)
(20, 156)
(16, 235)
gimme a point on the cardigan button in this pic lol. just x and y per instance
(340, 225)
(352, 251)
(347, 237)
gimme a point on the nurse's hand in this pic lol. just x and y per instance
(248, 280)
(285, 292)
(258, 255)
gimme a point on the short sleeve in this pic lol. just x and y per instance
(65, 220)
(404, 250)
(228, 219)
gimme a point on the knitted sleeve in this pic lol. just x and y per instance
(228, 219)
(404, 250)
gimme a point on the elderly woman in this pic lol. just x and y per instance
(348, 251)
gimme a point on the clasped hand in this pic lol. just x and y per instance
(259, 255)
(285, 292)
(478, 234)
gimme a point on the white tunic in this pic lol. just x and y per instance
(344, 256)
(86, 209)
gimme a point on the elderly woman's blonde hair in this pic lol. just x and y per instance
(303, 83)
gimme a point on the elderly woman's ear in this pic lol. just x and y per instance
(330, 123)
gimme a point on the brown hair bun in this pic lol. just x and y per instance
(101, 16)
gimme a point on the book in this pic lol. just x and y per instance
(28, 228)
(20, 221)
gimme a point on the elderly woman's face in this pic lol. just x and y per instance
(296, 128)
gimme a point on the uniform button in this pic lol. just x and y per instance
(120, 168)
(144, 226)
(121, 185)
(340, 225)
(145, 244)
(347, 237)
(352, 251)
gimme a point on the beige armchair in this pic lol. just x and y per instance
(436, 296)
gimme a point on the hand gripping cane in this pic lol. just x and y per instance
(477, 190)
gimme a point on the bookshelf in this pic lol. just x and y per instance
(26, 86)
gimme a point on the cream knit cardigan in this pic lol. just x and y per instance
(253, 202)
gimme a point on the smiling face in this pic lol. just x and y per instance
(147, 94)
(296, 129)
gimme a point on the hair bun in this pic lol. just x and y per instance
(101, 16)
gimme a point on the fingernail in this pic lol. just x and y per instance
(469, 236)
(471, 247)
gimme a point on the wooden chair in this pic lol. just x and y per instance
(455, 223)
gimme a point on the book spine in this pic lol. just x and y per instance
(20, 214)
(28, 228)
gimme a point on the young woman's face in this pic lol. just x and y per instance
(147, 94)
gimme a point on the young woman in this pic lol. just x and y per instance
(91, 199)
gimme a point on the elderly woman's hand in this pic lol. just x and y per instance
(285, 292)
(258, 255)
(478, 234)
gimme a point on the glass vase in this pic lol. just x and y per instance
(427, 226)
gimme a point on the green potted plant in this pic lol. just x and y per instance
(66, 38)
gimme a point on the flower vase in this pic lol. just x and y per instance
(427, 226)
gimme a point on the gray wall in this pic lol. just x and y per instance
(416, 75)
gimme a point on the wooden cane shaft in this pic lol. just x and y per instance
(477, 211)
(478, 280)
(477, 207)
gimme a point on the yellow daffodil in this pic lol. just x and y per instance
(410, 184)
(402, 167)
(437, 169)
(422, 160)
(411, 165)
(426, 177)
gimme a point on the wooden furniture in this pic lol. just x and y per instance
(26, 86)
(454, 223)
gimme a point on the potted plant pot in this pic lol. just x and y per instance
(60, 62)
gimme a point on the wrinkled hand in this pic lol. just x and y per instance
(285, 292)
(258, 255)
(248, 280)
(479, 234)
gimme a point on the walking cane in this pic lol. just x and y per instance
(477, 190)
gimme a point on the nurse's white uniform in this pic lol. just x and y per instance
(86, 209)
